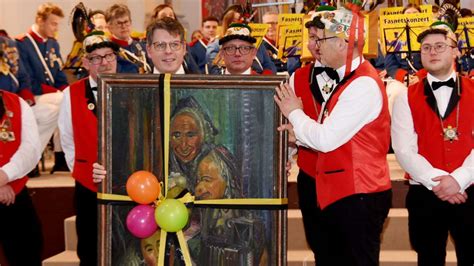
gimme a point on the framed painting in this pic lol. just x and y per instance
(222, 144)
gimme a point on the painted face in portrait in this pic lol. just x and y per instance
(149, 247)
(211, 182)
(186, 137)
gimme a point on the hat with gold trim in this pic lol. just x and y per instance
(96, 40)
(238, 31)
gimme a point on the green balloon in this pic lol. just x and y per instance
(171, 215)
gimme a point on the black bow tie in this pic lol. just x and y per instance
(94, 88)
(332, 74)
(437, 84)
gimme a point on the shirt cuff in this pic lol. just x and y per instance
(427, 180)
(462, 176)
(11, 173)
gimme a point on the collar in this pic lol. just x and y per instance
(246, 72)
(432, 78)
(204, 41)
(269, 41)
(355, 64)
(35, 34)
(122, 43)
(92, 82)
(179, 71)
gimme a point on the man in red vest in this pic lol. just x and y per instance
(352, 139)
(20, 229)
(78, 128)
(314, 84)
(432, 136)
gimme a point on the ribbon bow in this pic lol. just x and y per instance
(438, 84)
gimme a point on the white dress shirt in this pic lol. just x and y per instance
(65, 125)
(359, 104)
(246, 72)
(405, 142)
(179, 71)
(28, 153)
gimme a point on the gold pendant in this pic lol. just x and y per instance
(450, 133)
(6, 135)
(327, 89)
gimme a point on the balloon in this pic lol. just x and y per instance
(143, 187)
(141, 222)
(171, 215)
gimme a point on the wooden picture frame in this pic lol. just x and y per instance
(237, 118)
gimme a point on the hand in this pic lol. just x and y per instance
(288, 168)
(291, 132)
(458, 198)
(7, 195)
(98, 173)
(447, 187)
(3, 178)
(287, 100)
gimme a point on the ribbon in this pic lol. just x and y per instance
(357, 20)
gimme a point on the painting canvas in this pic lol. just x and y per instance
(223, 144)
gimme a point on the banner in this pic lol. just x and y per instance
(258, 32)
(397, 32)
(465, 33)
(290, 35)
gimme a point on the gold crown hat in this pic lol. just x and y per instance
(440, 27)
(238, 31)
(96, 40)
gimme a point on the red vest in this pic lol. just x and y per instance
(307, 157)
(440, 153)
(360, 165)
(84, 126)
(8, 149)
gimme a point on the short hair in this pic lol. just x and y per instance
(117, 11)
(158, 9)
(96, 12)
(430, 31)
(170, 25)
(435, 8)
(210, 18)
(466, 12)
(46, 9)
(411, 5)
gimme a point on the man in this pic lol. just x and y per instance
(432, 126)
(270, 39)
(19, 153)
(198, 48)
(352, 139)
(239, 51)
(41, 57)
(314, 84)
(78, 127)
(166, 47)
(132, 57)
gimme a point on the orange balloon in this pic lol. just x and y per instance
(143, 187)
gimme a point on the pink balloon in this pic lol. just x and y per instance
(141, 221)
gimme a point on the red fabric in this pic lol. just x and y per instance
(8, 149)
(27, 95)
(307, 158)
(84, 124)
(122, 43)
(360, 165)
(36, 37)
(48, 89)
(443, 154)
(400, 75)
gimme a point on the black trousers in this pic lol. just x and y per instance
(20, 232)
(86, 225)
(430, 219)
(310, 211)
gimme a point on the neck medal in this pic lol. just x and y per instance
(450, 133)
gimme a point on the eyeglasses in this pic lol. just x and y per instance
(439, 47)
(161, 46)
(243, 50)
(124, 23)
(97, 59)
(318, 41)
